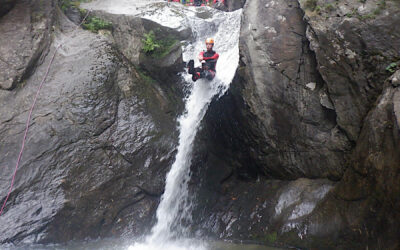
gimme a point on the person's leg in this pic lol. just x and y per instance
(197, 73)
(190, 66)
(209, 74)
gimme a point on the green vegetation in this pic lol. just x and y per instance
(318, 9)
(367, 16)
(95, 24)
(271, 238)
(381, 5)
(66, 4)
(392, 67)
(166, 46)
(91, 23)
(158, 48)
(149, 43)
(329, 7)
(353, 13)
(145, 76)
(311, 4)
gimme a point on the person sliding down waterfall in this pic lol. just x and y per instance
(208, 61)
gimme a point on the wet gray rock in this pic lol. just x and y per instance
(25, 36)
(6, 6)
(395, 79)
(293, 114)
(281, 121)
(73, 14)
(234, 199)
(258, 210)
(234, 4)
(102, 136)
(363, 208)
(278, 159)
(129, 34)
(354, 42)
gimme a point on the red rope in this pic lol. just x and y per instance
(29, 119)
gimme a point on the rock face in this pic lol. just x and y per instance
(26, 32)
(303, 149)
(275, 125)
(365, 204)
(102, 137)
(356, 46)
(129, 34)
(235, 4)
(290, 124)
(6, 6)
(313, 98)
(363, 40)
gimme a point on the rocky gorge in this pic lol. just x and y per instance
(302, 150)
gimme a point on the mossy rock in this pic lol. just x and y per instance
(161, 52)
(95, 24)
(158, 47)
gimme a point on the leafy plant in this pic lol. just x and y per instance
(271, 238)
(382, 4)
(149, 42)
(66, 4)
(166, 45)
(353, 13)
(392, 67)
(95, 24)
(317, 9)
(367, 16)
(329, 7)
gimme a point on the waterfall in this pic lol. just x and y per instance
(174, 210)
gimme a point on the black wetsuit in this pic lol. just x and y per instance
(208, 68)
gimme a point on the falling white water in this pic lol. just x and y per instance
(175, 207)
(174, 211)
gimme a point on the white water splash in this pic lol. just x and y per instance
(175, 207)
(174, 211)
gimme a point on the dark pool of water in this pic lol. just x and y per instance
(115, 244)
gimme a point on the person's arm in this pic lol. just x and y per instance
(214, 57)
(200, 56)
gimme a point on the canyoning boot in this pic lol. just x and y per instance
(195, 76)
(190, 67)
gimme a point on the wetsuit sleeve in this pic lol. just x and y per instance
(214, 57)
(201, 55)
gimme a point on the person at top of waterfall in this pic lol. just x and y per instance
(178, 1)
(208, 61)
(218, 1)
(198, 3)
